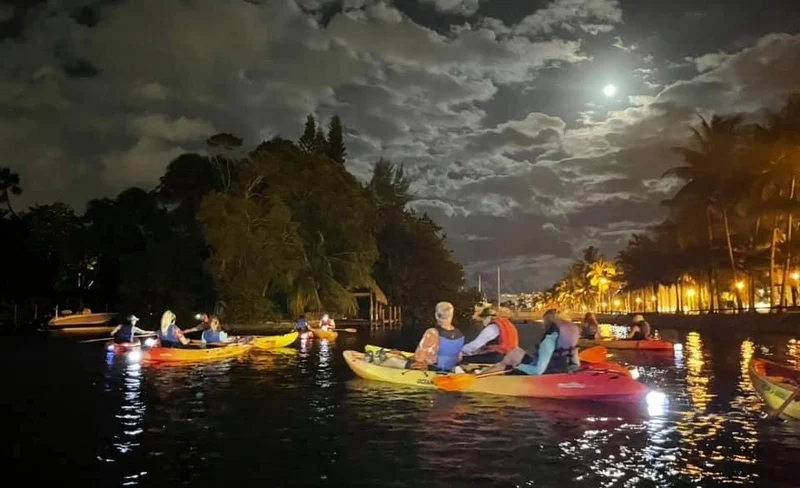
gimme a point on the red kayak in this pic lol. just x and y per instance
(123, 347)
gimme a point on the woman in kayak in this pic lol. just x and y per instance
(440, 347)
(123, 333)
(169, 335)
(557, 352)
(591, 329)
(498, 337)
(640, 329)
(327, 323)
(214, 334)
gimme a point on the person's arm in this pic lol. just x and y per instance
(489, 333)
(546, 349)
(634, 330)
(196, 328)
(116, 329)
(182, 338)
(427, 350)
(137, 330)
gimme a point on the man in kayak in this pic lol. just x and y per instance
(124, 333)
(557, 352)
(440, 347)
(640, 329)
(327, 323)
(498, 337)
(301, 325)
(591, 329)
(204, 325)
(214, 334)
(169, 335)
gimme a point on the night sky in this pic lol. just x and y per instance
(495, 107)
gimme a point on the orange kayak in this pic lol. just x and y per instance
(627, 344)
(325, 334)
(122, 348)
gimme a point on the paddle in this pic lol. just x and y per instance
(351, 330)
(460, 381)
(109, 338)
(596, 354)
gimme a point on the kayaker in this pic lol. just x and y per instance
(204, 325)
(214, 334)
(440, 347)
(123, 333)
(498, 337)
(327, 323)
(591, 329)
(169, 335)
(301, 325)
(640, 329)
(557, 352)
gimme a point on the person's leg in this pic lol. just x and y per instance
(485, 358)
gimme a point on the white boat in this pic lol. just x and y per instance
(84, 318)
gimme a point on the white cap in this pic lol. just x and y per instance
(325, 317)
(132, 318)
(637, 318)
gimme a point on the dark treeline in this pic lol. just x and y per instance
(257, 233)
(731, 237)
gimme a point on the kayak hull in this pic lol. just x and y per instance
(588, 384)
(624, 344)
(772, 383)
(180, 355)
(122, 348)
(274, 342)
(325, 334)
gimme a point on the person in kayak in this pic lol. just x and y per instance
(557, 352)
(440, 347)
(169, 335)
(214, 334)
(591, 329)
(301, 325)
(640, 329)
(204, 325)
(327, 323)
(498, 337)
(124, 333)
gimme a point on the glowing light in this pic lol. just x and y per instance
(690, 292)
(616, 303)
(678, 347)
(149, 342)
(638, 300)
(739, 285)
(610, 90)
(110, 347)
(653, 298)
(656, 403)
(197, 316)
(134, 356)
(634, 373)
(796, 276)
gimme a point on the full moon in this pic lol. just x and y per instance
(609, 90)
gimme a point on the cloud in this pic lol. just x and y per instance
(462, 7)
(591, 16)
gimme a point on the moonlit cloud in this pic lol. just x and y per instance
(494, 107)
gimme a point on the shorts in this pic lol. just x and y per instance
(517, 356)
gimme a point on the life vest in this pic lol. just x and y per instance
(170, 338)
(124, 334)
(211, 336)
(566, 344)
(450, 344)
(506, 341)
(301, 325)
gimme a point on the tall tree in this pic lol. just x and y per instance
(9, 185)
(336, 149)
(308, 141)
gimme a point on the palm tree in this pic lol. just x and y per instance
(9, 185)
(601, 273)
(711, 180)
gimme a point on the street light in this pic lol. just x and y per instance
(739, 285)
(690, 292)
(796, 276)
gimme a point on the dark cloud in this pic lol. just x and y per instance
(495, 107)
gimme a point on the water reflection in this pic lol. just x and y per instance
(696, 377)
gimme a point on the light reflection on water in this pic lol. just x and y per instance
(299, 414)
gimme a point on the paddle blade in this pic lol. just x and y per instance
(596, 354)
(454, 382)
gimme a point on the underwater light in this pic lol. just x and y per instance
(134, 356)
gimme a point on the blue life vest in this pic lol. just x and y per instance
(170, 338)
(124, 334)
(210, 336)
(301, 325)
(450, 344)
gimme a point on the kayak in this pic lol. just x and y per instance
(325, 334)
(624, 344)
(774, 384)
(587, 384)
(122, 348)
(274, 342)
(174, 354)
(371, 352)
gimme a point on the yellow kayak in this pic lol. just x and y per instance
(174, 354)
(381, 353)
(774, 384)
(371, 371)
(274, 342)
(325, 334)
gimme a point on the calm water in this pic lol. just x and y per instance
(299, 417)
